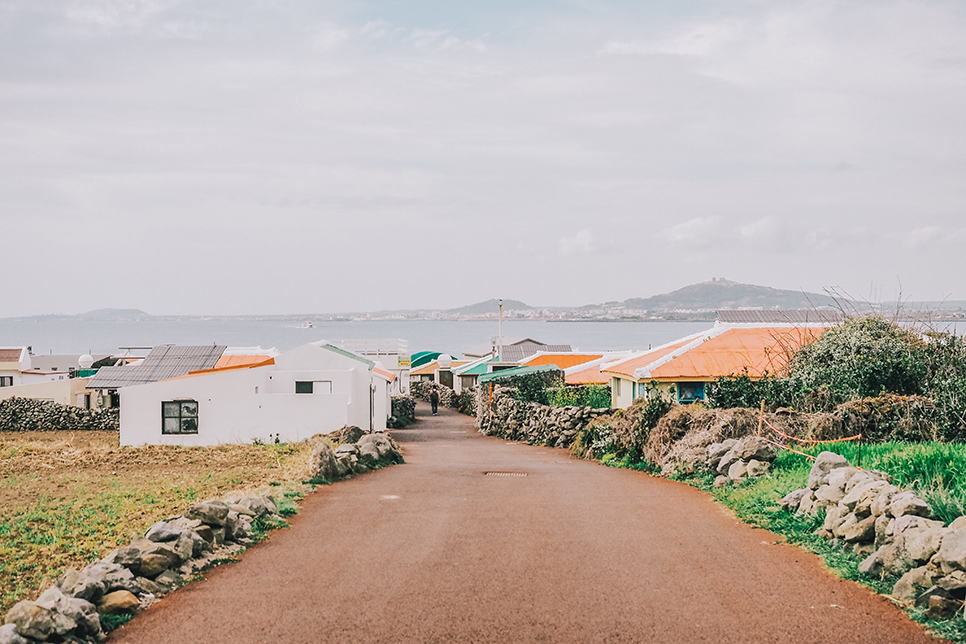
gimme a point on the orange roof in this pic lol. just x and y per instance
(562, 360)
(629, 366)
(239, 361)
(589, 376)
(204, 372)
(757, 350)
(430, 368)
(388, 375)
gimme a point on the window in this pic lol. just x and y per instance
(689, 392)
(313, 387)
(179, 417)
(617, 386)
(6, 381)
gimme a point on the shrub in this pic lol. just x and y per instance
(594, 395)
(861, 358)
(741, 391)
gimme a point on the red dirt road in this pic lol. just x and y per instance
(436, 551)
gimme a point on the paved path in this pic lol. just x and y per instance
(436, 551)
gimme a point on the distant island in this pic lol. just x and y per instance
(695, 302)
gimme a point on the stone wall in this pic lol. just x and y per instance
(29, 415)
(403, 412)
(172, 551)
(447, 397)
(137, 575)
(533, 423)
(895, 529)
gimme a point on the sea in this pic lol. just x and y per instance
(65, 336)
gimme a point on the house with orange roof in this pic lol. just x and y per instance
(316, 388)
(683, 368)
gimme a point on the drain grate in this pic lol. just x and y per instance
(505, 473)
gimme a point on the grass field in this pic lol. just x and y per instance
(67, 499)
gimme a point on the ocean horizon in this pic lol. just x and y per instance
(72, 336)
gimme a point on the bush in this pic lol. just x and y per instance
(562, 395)
(861, 358)
(741, 391)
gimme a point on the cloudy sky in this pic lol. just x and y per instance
(276, 156)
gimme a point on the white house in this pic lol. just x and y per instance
(13, 362)
(315, 388)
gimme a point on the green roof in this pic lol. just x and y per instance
(420, 358)
(478, 370)
(348, 354)
(517, 371)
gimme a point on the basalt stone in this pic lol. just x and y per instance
(737, 470)
(237, 508)
(9, 635)
(80, 585)
(943, 607)
(793, 499)
(119, 602)
(211, 512)
(872, 565)
(204, 531)
(31, 620)
(911, 584)
(111, 576)
(369, 454)
(171, 579)
(153, 565)
(163, 531)
(907, 503)
(860, 530)
(757, 469)
(880, 506)
(952, 551)
(127, 556)
(953, 582)
(152, 587)
(717, 450)
(322, 464)
(823, 466)
(859, 492)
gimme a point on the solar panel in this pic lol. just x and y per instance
(163, 362)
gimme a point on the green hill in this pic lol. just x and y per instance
(489, 306)
(725, 294)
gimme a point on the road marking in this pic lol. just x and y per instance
(388, 497)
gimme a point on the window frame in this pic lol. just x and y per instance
(186, 419)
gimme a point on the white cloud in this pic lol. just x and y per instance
(582, 242)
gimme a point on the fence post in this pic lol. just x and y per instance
(761, 416)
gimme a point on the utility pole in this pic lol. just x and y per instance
(499, 346)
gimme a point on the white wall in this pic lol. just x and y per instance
(239, 406)
(229, 410)
(60, 391)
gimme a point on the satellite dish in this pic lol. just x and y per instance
(445, 361)
(85, 361)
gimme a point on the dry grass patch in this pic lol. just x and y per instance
(67, 498)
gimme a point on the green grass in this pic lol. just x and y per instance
(936, 471)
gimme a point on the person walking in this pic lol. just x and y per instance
(434, 399)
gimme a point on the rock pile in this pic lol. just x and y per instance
(403, 412)
(531, 422)
(362, 452)
(29, 415)
(735, 460)
(894, 528)
(134, 576)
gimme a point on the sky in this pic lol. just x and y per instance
(287, 156)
